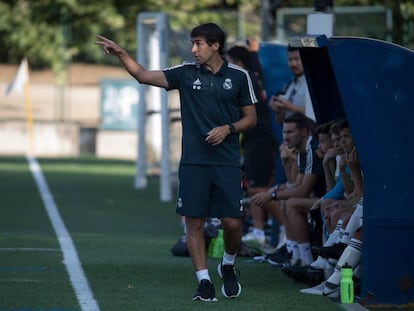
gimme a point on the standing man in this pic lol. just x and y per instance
(217, 102)
(259, 143)
(294, 98)
(295, 95)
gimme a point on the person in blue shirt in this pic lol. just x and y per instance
(217, 102)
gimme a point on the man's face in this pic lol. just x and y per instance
(295, 63)
(202, 51)
(336, 141)
(292, 136)
(346, 140)
(325, 143)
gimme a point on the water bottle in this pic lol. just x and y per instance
(347, 284)
(216, 246)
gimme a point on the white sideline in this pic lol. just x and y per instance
(70, 257)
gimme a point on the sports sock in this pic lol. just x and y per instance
(228, 259)
(203, 275)
(295, 251)
(258, 232)
(305, 253)
(353, 224)
(329, 267)
(289, 246)
(340, 235)
(357, 271)
(282, 229)
(333, 237)
(281, 237)
(325, 232)
(350, 256)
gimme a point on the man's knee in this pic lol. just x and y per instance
(231, 224)
(194, 224)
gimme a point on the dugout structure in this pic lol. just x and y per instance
(368, 82)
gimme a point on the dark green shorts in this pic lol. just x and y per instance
(206, 191)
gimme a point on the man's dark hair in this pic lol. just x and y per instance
(335, 127)
(212, 33)
(301, 121)
(292, 48)
(322, 128)
(342, 124)
(242, 54)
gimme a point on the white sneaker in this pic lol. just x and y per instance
(319, 263)
(316, 290)
(252, 238)
(331, 290)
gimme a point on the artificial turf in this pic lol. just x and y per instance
(123, 238)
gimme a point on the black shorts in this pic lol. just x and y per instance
(206, 191)
(259, 167)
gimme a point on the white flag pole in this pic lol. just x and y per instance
(21, 83)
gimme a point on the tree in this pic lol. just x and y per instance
(51, 33)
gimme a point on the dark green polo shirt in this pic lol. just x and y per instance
(208, 100)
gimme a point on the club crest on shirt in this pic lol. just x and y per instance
(227, 85)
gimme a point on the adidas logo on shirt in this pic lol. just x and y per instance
(197, 84)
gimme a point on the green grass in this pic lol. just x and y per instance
(123, 237)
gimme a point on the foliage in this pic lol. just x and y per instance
(52, 33)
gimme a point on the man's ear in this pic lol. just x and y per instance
(304, 132)
(216, 46)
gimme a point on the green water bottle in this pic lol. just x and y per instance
(216, 246)
(347, 284)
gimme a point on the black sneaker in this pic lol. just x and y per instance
(335, 251)
(293, 269)
(313, 276)
(279, 257)
(205, 291)
(231, 287)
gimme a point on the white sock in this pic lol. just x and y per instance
(228, 259)
(353, 225)
(329, 267)
(282, 237)
(350, 256)
(340, 235)
(305, 253)
(203, 275)
(282, 230)
(289, 246)
(295, 251)
(325, 233)
(258, 232)
(357, 271)
(360, 208)
(333, 237)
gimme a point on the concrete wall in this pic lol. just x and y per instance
(116, 144)
(50, 139)
(47, 139)
(66, 121)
